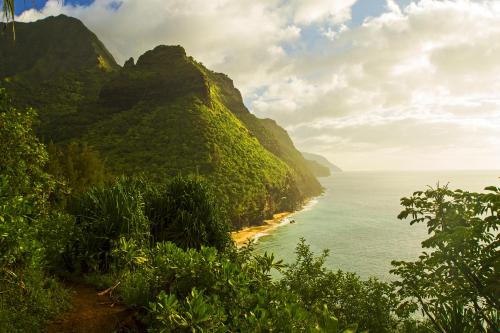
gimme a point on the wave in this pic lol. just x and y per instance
(309, 205)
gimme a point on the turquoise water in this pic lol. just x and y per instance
(356, 218)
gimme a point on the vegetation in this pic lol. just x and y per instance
(164, 115)
(164, 236)
(168, 245)
(455, 284)
(30, 232)
(77, 165)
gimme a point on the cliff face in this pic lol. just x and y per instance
(164, 115)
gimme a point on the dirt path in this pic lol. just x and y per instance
(91, 313)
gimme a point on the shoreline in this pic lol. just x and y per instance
(240, 237)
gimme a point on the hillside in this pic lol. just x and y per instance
(318, 169)
(323, 161)
(164, 115)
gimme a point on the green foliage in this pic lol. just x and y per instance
(188, 214)
(195, 313)
(22, 156)
(455, 284)
(370, 304)
(207, 290)
(128, 215)
(168, 115)
(270, 135)
(104, 215)
(165, 115)
(28, 296)
(78, 165)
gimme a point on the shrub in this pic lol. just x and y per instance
(207, 290)
(187, 213)
(28, 296)
(455, 283)
(371, 304)
(104, 215)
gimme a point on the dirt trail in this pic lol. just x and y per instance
(91, 313)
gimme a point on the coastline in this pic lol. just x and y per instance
(240, 237)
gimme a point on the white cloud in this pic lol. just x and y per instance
(409, 85)
(244, 38)
(393, 6)
(310, 11)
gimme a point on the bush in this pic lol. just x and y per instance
(455, 283)
(28, 296)
(187, 213)
(213, 291)
(104, 215)
(369, 303)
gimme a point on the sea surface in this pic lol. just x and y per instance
(356, 219)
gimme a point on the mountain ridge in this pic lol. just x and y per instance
(321, 160)
(163, 115)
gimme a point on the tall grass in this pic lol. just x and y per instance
(183, 211)
(187, 213)
(103, 216)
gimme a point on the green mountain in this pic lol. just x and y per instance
(317, 163)
(164, 115)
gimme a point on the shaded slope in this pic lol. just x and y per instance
(58, 66)
(51, 47)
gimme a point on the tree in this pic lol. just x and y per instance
(8, 10)
(456, 283)
(30, 235)
(22, 156)
(77, 164)
(370, 304)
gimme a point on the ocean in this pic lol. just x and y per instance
(356, 219)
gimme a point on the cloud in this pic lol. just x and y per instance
(416, 87)
(246, 39)
(310, 11)
(408, 86)
(393, 6)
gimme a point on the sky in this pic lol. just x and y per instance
(369, 84)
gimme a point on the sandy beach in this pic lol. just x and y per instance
(240, 237)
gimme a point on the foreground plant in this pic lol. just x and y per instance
(30, 232)
(456, 283)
